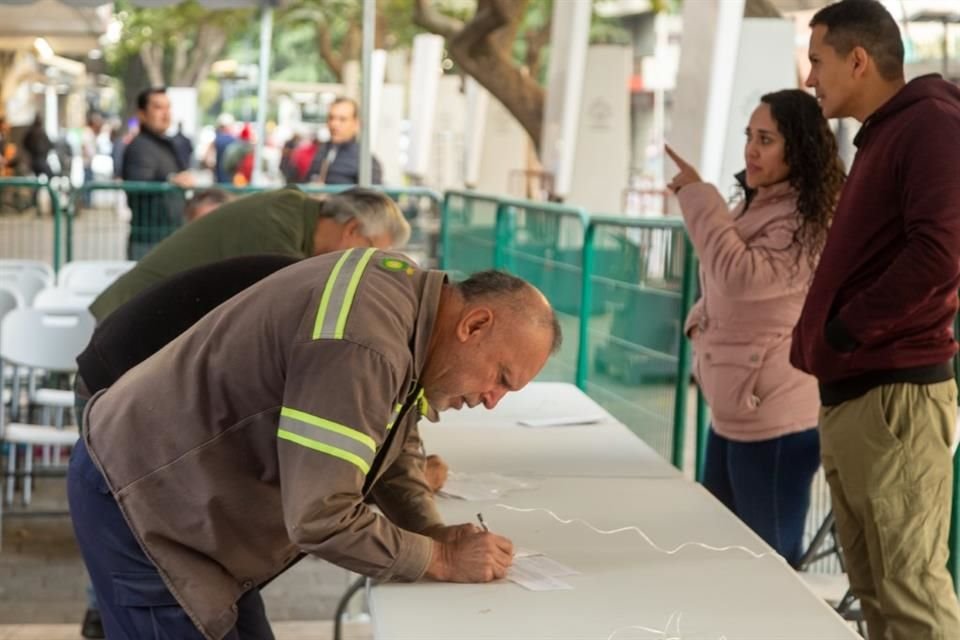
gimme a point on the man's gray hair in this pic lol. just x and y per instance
(516, 293)
(377, 213)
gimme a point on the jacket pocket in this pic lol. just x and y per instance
(728, 375)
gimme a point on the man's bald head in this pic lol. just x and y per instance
(516, 297)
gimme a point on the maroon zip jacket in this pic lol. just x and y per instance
(881, 305)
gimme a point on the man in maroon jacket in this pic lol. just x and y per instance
(876, 329)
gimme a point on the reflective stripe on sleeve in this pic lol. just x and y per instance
(327, 437)
(339, 292)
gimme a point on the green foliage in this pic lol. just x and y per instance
(169, 25)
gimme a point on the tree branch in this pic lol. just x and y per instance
(426, 16)
(325, 47)
(151, 54)
(489, 17)
(537, 39)
(210, 41)
(177, 74)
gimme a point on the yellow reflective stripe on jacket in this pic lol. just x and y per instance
(351, 292)
(327, 436)
(339, 292)
(422, 405)
(394, 415)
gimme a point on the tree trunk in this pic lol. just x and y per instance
(483, 49)
(760, 9)
(325, 47)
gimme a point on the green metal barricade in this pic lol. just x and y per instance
(122, 220)
(639, 282)
(543, 243)
(468, 232)
(30, 220)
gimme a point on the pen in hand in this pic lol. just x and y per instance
(482, 523)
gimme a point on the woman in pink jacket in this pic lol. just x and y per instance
(756, 264)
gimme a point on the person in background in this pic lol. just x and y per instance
(338, 161)
(183, 146)
(877, 326)
(88, 146)
(38, 146)
(152, 157)
(301, 158)
(756, 265)
(223, 138)
(286, 155)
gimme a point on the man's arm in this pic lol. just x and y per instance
(332, 423)
(402, 492)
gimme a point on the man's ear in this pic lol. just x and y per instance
(860, 59)
(474, 322)
(351, 228)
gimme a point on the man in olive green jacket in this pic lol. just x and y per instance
(287, 221)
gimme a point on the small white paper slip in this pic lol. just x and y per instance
(525, 574)
(561, 421)
(548, 566)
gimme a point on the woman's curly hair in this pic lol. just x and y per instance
(816, 172)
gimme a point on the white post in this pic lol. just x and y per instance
(569, 36)
(723, 64)
(266, 37)
(369, 20)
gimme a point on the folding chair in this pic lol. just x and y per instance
(91, 276)
(28, 282)
(53, 298)
(13, 265)
(37, 339)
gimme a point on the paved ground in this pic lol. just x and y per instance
(42, 578)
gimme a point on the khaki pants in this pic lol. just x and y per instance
(887, 459)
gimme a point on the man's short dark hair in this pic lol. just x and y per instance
(143, 98)
(515, 292)
(867, 24)
(349, 101)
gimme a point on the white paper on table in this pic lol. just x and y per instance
(526, 574)
(547, 566)
(480, 486)
(560, 421)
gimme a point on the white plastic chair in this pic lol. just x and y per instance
(37, 339)
(91, 276)
(10, 299)
(12, 265)
(28, 282)
(54, 298)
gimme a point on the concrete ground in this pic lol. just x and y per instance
(42, 579)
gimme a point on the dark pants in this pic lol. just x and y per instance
(134, 601)
(766, 484)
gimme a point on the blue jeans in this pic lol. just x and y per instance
(135, 603)
(766, 484)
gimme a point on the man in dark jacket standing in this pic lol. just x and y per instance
(876, 329)
(152, 157)
(338, 161)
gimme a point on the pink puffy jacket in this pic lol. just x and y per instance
(753, 290)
